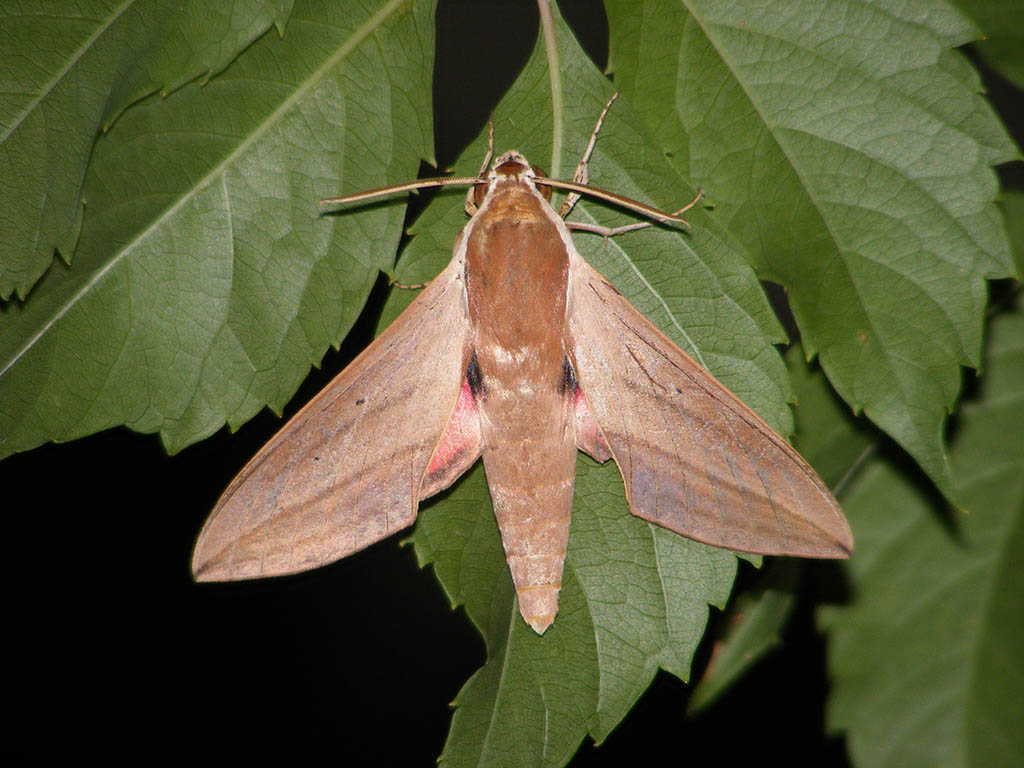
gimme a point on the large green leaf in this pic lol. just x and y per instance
(635, 596)
(205, 283)
(66, 72)
(848, 148)
(927, 661)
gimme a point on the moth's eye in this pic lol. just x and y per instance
(479, 193)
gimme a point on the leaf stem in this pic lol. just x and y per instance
(869, 450)
(547, 25)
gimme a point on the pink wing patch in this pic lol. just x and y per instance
(458, 447)
(589, 437)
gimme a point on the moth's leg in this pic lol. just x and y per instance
(470, 202)
(582, 174)
(490, 146)
(612, 231)
(406, 287)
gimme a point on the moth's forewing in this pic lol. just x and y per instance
(693, 457)
(346, 470)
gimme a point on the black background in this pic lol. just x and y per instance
(117, 654)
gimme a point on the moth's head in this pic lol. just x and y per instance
(512, 168)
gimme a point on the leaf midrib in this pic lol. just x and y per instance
(500, 687)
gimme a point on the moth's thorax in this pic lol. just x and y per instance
(514, 201)
(517, 271)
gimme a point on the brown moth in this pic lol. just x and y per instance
(521, 353)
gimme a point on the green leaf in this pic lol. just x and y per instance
(1002, 24)
(635, 596)
(66, 72)
(1013, 214)
(205, 283)
(927, 660)
(848, 148)
(826, 435)
(756, 622)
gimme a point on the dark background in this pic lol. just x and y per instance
(117, 654)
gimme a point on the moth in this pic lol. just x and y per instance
(521, 353)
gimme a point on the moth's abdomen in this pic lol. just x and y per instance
(527, 423)
(531, 478)
(529, 450)
(535, 551)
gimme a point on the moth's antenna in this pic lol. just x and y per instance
(625, 202)
(336, 203)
